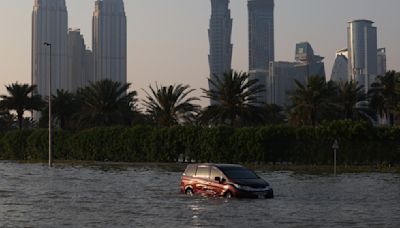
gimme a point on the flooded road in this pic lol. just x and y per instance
(32, 195)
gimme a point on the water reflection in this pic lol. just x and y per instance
(31, 195)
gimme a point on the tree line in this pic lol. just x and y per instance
(359, 144)
(235, 103)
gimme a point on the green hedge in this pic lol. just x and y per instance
(359, 143)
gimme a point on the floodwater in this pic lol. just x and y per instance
(32, 195)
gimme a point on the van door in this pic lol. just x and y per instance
(202, 179)
(216, 188)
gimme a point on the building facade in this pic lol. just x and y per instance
(340, 67)
(282, 75)
(110, 41)
(79, 61)
(381, 67)
(50, 25)
(261, 39)
(219, 35)
(89, 67)
(362, 51)
(261, 34)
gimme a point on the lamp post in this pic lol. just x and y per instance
(50, 119)
(335, 147)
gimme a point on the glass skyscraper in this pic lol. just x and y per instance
(261, 34)
(261, 40)
(110, 40)
(49, 24)
(219, 34)
(362, 51)
(80, 65)
(340, 67)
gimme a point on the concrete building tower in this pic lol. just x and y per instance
(79, 61)
(362, 47)
(261, 39)
(219, 34)
(49, 24)
(381, 67)
(110, 40)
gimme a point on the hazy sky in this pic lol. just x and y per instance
(168, 41)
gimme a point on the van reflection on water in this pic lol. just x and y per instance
(224, 180)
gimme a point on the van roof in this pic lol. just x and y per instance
(218, 165)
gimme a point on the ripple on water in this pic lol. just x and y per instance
(101, 196)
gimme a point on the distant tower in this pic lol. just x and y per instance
(362, 47)
(79, 61)
(219, 35)
(49, 24)
(261, 33)
(381, 68)
(340, 71)
(110, 40)
(261, 39)
(282, 75)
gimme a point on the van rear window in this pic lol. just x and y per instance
(190, 170)
(203, 172)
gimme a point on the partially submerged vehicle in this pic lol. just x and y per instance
(224, 180)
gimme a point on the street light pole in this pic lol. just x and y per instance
(50, 117)
(335, 147)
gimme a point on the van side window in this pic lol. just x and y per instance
(190, 171)
(203, 172)
(216, 173)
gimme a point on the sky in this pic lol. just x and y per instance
(168, 39)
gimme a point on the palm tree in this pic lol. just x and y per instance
(312, 102)
(105, 103)
(384, 95)
(64, 108)
(170, 105)
(7, 120)
(349, 95)
(235, 100)
(21, 98)
(274, 114)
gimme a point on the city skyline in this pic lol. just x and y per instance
(158, 59)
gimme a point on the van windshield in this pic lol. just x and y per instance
(238, 173)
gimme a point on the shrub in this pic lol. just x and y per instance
(359, 143)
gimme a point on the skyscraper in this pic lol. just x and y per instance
(79, 61)
(340, 71)
(381, 67)
(261, 39)
(49, 24)
(282, 75)
(219, 34)
(362, 47)
(261, 33)
(110, 40)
